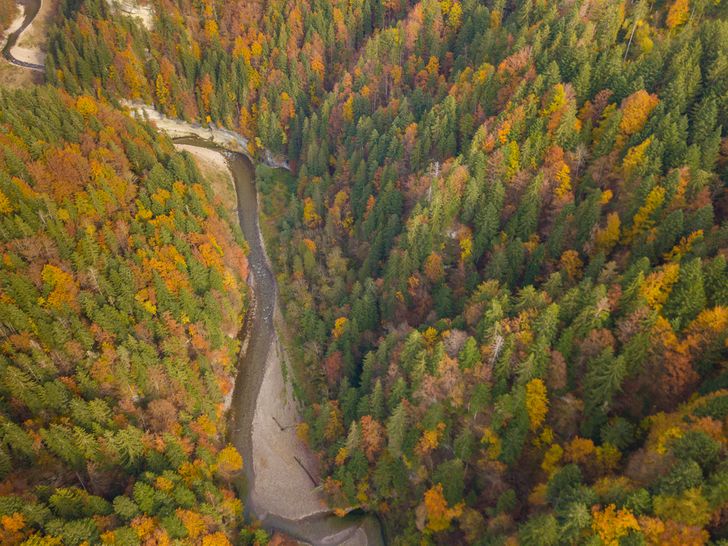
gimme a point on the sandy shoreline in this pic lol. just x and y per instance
(208, 159)
(222, 137)
(33, 41)
(281, 487)
(214, 168)
(15, 25)
(13, 76)
(281, 472)
(176, 128)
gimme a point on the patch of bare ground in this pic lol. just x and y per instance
(32, 44)
(14, 77)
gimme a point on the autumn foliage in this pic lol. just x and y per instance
(122, 287)
(500, 250)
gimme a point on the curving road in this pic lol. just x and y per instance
(31, 10)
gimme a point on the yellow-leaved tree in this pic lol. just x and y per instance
(612, 524)
(678, 13)
(635, 110)
(439, 514)
(537, 403)
(229, 462)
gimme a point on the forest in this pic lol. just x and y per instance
(122, 289)
(505, 249)
(501, 254)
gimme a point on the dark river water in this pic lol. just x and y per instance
(321, 529)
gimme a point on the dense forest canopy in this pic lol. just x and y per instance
(505, 251)
(501, 255)
(122, 288)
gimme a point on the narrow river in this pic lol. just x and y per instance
(322, 528)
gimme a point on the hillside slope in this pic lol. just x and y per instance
(502, 249)
(122, 294)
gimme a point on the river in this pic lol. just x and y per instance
(322, 528)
